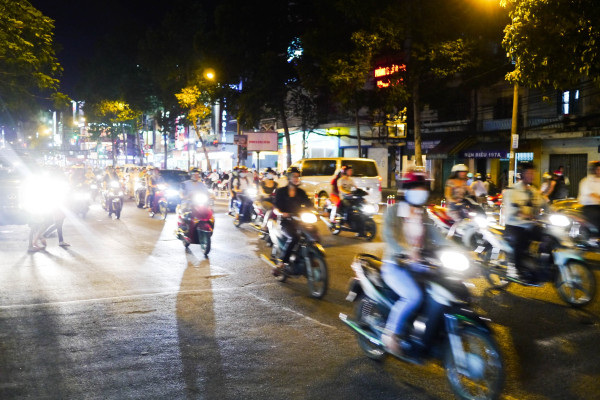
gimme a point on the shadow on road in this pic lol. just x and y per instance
(202, 370)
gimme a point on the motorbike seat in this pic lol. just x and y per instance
(373, 273)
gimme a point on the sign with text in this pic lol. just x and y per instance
(262, 141)
(502, 154)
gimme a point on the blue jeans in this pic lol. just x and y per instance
(411, 296)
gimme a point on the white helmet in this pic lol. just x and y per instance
(460, 168)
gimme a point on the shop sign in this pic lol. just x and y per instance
(485, 154)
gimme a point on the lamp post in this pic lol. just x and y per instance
(514, 136)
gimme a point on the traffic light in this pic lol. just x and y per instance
(215, 142)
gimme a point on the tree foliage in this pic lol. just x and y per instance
(29, 68)
(554, 43)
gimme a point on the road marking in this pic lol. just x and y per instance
(134, 296)
(293, 311)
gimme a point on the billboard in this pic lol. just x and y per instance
(262, 141)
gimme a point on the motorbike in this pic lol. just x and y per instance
(357, 218)
(308, 256)
(564, 265)
(112, 199)
(494, 202)
(258, 216)
(139, 192)
(80, 198)
(584, 233)
(243, 209)
(444, 327)
(159, 204)
(195, 223)
(464, 232)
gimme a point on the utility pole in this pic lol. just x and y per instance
(514, 137)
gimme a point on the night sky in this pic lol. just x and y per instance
(79, 25)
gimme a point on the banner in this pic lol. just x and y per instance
(262, 141)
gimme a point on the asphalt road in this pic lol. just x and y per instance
(127, 313)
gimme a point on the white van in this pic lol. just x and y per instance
(317, 174)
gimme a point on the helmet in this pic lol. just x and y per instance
(546, 176)
(269, 171)
(592, 166)
(557, 173)
(488, 176)
(346, 168)
(460, 168)
(194, 171)
(470, 175)
(415, 178)
(478, 176)
(293, 170)
(243, 168)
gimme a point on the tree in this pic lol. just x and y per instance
(110, 117)
(29, 69)
(197, 102)
(553, 43)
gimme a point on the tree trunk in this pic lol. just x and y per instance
(358, 132)
(417, 122)
(286, 132)
(208, 166)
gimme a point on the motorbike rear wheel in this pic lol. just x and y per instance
(370, 229)
(317, 277)
(483, 376)
(363, 309)
(579, 284)
(495, 273)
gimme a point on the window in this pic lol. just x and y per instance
(570, 102)
(362, 168)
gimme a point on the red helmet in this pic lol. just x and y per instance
(415, 178)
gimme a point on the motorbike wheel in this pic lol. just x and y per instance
(317, 276)
(579, 287)
(204, 240)
(138, 200)
(117, 210)
(495, 274)
(237, 222)
(483, 376)
(163, 210)
(364, 309)
(370, 230)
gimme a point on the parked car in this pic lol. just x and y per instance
(172, 179)
(317, 174)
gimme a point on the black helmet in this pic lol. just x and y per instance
(293, 170)
(269, 171)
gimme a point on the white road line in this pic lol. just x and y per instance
(132, 296)
(292, 311)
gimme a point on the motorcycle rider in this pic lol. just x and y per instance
(589, 194)
(456, 191)
(239, 184)
(558, 189)
(288, 201)
(152, 181)
(522, 204)
(189, 188)
(266, 189)
(408, 234)
(345, 186)
(478, 188)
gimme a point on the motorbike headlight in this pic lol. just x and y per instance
(171, 193)
(369, 209)
(454, 260)
(200, 199)
(308, 218)
(252, 192)
(559, 220)
(93, 186)
(114, 184)
(161, 186)
(482, 222)
(120, 193)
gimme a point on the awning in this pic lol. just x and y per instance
(487, 150)
(449, 146)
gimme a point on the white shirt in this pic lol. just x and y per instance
(588, 185)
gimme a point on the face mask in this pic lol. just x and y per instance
(269, 176)
(416, 197)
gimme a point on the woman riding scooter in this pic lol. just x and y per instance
(409, 234)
